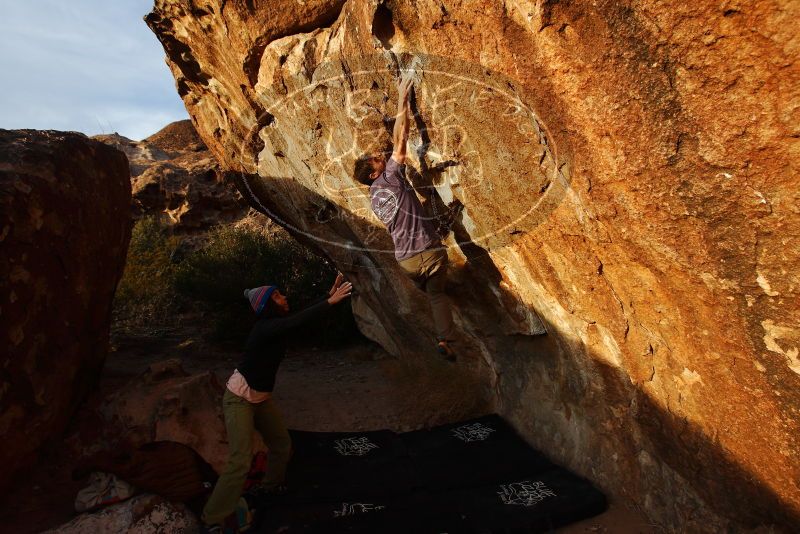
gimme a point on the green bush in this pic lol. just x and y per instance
(146, 288)
(233, 260)
(164, 276)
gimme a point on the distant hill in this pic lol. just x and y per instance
(176, 178)
(179, 136)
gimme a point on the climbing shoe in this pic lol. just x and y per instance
(258, 497)
(445, 350)
(240, 520)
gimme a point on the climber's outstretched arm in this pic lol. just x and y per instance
(400, 133)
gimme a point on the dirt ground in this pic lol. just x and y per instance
(356, 388)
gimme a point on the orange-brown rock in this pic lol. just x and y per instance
(165, 403)
(64, 231)
(175, 178)
(629, 176)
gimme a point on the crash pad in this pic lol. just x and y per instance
(471, 476)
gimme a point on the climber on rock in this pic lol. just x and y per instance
(247, 403)
(418, 246)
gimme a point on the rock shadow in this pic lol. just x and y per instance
(589, 388)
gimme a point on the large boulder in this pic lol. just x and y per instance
(164, 403)
(176, 179)
(629, 176)
(64, 231)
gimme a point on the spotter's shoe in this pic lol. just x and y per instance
(445, 350)
(240, 520)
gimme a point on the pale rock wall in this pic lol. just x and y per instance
(629, 175)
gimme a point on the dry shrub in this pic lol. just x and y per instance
(165, 275)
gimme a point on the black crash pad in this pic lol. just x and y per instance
(334, 467)
(474, 476)
(470, 454)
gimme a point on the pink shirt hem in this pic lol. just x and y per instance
(238, 386)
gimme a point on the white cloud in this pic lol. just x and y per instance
(87, 65)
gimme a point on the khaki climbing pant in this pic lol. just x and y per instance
(428, 269)
(241, 419)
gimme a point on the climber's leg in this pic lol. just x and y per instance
(435, 283)
(239, 424)
(428, 269)
(412, 266)
(270, 424)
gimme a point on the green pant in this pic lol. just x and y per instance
(428, 269)
(241, 418)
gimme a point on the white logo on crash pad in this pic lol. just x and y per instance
(385, 205)
(354, 446)
(472, 432)
(525, 493)
(357, 508)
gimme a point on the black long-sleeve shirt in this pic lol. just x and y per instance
(266, 345)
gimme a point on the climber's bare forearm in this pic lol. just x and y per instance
(401, 123)
(400, 135)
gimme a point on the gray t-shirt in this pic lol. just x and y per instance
(397, 206)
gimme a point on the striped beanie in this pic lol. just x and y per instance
(259, 297)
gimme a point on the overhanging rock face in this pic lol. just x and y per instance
(628, 175)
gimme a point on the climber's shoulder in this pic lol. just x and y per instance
(398, 158)
(394, 170)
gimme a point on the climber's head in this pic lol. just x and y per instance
(277, 305)
(267, 301)
(369, 166)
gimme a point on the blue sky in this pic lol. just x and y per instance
(91, 66)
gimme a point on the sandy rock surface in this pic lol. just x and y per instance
(629, 176)
(64, 232)
(164, 403)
